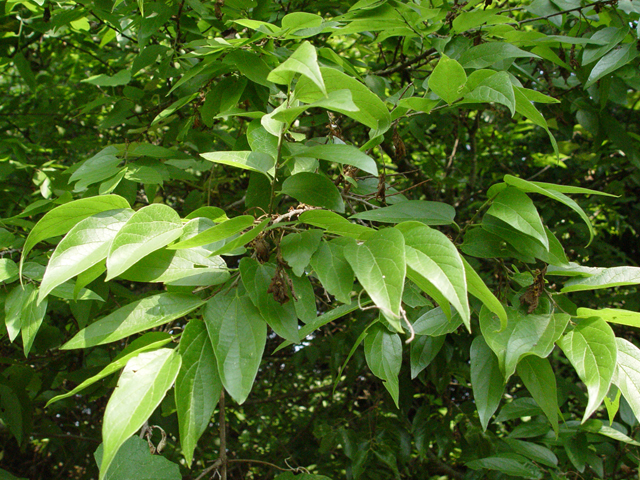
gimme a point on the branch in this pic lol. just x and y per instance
(443, 467)
(406, 64)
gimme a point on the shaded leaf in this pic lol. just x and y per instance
(383, 351)
(486, 380)
(314, 189)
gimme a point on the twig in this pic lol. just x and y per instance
(406, 64)
(546, 17)
(215, 465)
(292, 213)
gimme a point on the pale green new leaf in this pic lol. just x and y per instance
(303, 61)
(447, 79)
(257, 279)
(525, 334)
(238, 335)
(627, 373)
(431, 256)
(516, 209)
(141, 387)
(486, 380)
(246, 160)
(383, 351)
(86, 244)
(379, 265)
(333, 270)
(149, 229)
(532, 187)
(604, 278)
(298, 248)
(216, 233)
(429, 213)
(198, 386)
(339, 153)
(61, 219)
(591, 348)
(537, 375)
(149, 341)
(314, 189)
(150, 312)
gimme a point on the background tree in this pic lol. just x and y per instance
(357, 231)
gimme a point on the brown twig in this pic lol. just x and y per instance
(408, 63)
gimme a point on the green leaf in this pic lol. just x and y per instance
(496, 88)
(612, 315)
(383, 351)
(198, 386)
(596, 426)
(379, 265)
(517, 210)
(23, 66)
(257, 279)
(627, 373)
(86, 244)
(339, 153)
(216, 233)
(486, 380)
(314, 189)
(238, 335)
(591, 349)
(298, 248)
(149, 341)
(435, 323)
(607, 38)
(334, 223)
(31, 318)
(135, 317)
(371, 112)
(134, 458)
(303, 61)
(246, 160)
(304, 301)
(8, 270)
(150, 228)
(333, 269)
(537, 375)
(486, 54)
(101, 166)
(242, 240)
(533, 451)
(604, 278)
(336, 100)
(477, 288)
(141, 387)
(508, 466)
(429, 213)
(611, 62)
(432, 258)
(548, 191)
(525, 334)
(447, 79)
(423, 350)
(61, 219)
(526, 108)
(13, 304)
(121, 78)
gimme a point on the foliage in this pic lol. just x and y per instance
(275, 209)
